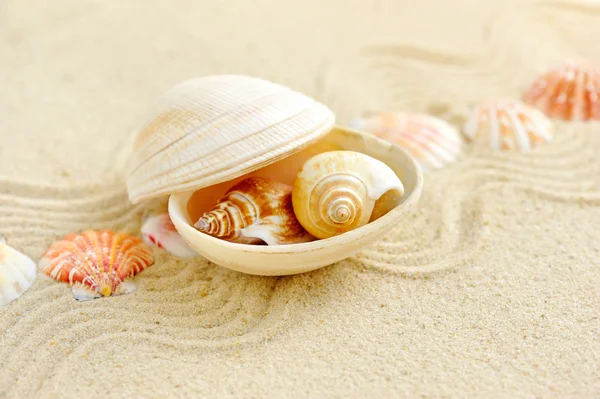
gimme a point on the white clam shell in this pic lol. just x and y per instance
(17, 273)
(212, 129)
(304, 257)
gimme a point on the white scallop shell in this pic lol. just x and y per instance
(433, 142)
(213, 129)
(159, 231)
(17, 273)
(506, 124)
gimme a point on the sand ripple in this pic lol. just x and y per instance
(214, 307)
(187, 310)
(432, 241)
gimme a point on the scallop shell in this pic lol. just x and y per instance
(568, 92)
(159, 231)
(338, 191)
(253, 211)
(433, 142)
(97, 263)
(17, 273)
(505, 124)
(213, 129)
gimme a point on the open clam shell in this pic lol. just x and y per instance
(185, 208)
(207, 134)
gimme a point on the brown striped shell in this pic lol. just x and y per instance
(254, 211)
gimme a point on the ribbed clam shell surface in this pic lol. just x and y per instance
(215, 128)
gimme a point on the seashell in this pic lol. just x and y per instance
(159, 231)
(432, 141)
(255, 210)
(216, 128)
(337, 191)
(207, 134)
(97, 263)
(17, 273)
(569, 92)
(505, 124)
(278, 260)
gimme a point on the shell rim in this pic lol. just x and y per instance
(315, 245)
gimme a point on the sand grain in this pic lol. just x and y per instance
(488, 289)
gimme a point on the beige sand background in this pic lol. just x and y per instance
(489, 289)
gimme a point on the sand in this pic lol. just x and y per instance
(488, 289)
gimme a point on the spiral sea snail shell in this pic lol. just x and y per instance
(253, 211)
(338, 191)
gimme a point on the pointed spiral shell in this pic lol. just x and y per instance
(338, 191)
(254, 210)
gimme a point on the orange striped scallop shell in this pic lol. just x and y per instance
(570, 92)
(97, 263)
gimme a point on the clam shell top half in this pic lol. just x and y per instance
(213, 129)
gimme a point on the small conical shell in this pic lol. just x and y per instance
(338, 191)
(506, 124)
(255, 210)
(17, 273)
(216, 128)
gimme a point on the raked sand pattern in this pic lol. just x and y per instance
(488, 289)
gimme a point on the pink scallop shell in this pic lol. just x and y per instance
(433, 142)
(569, 92)
(97, 263)
(159, 231)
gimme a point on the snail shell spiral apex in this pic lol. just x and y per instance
(338, 191)
(253, 211)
